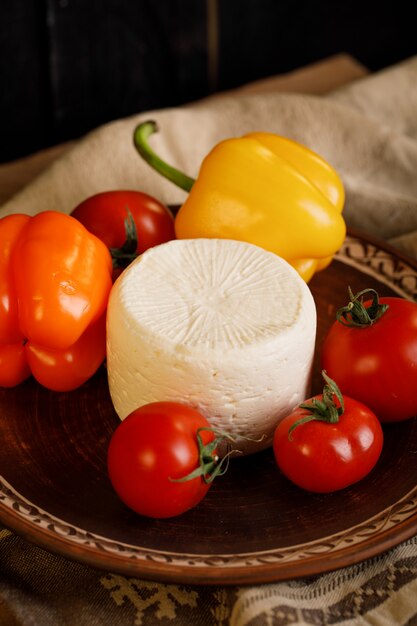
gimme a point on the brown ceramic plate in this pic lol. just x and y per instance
(253, 526)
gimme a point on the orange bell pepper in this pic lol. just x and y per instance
(55, 278)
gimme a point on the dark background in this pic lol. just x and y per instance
(67, 66)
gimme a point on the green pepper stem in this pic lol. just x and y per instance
(140, 139)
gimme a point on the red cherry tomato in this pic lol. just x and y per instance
(104, 214)
(323, 457)
(377, 363)
(150, 450)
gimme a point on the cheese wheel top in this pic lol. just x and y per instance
(211, 294)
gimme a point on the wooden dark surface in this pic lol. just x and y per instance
(70, 65)
(67, 66)
(317, 78)
(53, 454)
(268, 37)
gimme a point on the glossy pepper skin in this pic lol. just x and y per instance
(55, 278)
(264, 189)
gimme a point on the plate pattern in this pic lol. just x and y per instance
(383, 522)
(386, 266)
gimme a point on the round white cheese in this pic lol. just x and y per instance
(221, 325)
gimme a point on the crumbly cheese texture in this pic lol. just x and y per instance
(221, 325)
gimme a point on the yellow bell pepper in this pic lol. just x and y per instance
(263, 189)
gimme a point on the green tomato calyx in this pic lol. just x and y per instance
(357, 314)
(127, 252)
(211, 464)
(324, 409)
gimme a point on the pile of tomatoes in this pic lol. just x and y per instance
(371, 353)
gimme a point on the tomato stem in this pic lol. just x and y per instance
(128, 251)
(210, 464)
(324, 410)
(355, 313)
(140, 139)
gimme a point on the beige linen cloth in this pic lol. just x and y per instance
(368, 132)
